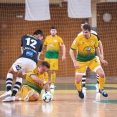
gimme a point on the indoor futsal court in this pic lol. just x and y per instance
(67, 16)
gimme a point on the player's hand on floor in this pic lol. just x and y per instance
(18, 98)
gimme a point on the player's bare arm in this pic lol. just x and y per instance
(101, 48)
(71, 52)
(39, 53)
(101, 56)
(64, 52)
(44, 46)
(21, 50)
(38, 80)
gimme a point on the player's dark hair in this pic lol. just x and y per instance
(38, 32)
(46, 64)
(87, 27)
(84, 22)
(53, 27)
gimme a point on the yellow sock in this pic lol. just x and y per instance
(53, 77)
(101, 82)
(78, 86)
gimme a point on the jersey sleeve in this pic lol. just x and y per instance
(96, 44)
(74, 44)
(40, 48)
(97, 37)
(29, 74)
(32, 72)
(61, 41)
(95, 33)
(45, 42)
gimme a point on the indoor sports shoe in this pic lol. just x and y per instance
(97, 87)
(7, 93)
(52, 87)
(103, 93)
(30, 93)
(84, 89)
(81, 94)
(52, 91)
(9, 99)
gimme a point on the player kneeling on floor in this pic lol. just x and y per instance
(35, 82)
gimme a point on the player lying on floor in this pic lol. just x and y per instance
(35, 82)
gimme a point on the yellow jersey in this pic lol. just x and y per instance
(53, 46)
(34, 84)
(86, 47)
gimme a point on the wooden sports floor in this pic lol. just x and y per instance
(66, 104)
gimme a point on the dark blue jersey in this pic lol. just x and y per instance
(31, 46)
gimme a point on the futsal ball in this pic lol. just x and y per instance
(47, 97)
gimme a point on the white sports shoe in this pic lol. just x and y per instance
(9, 99)
(52, 87)
(52, 91)
(84, 89)
(30, 93)
(7, 93)
(97, 88)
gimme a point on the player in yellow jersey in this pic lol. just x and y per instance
(52, 44)
(86, 45)
(102, 53)
(35, 82)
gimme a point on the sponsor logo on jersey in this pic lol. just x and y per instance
(29, 53)
(51, 45)
(55, 40)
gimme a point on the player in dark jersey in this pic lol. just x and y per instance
(31, 46)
